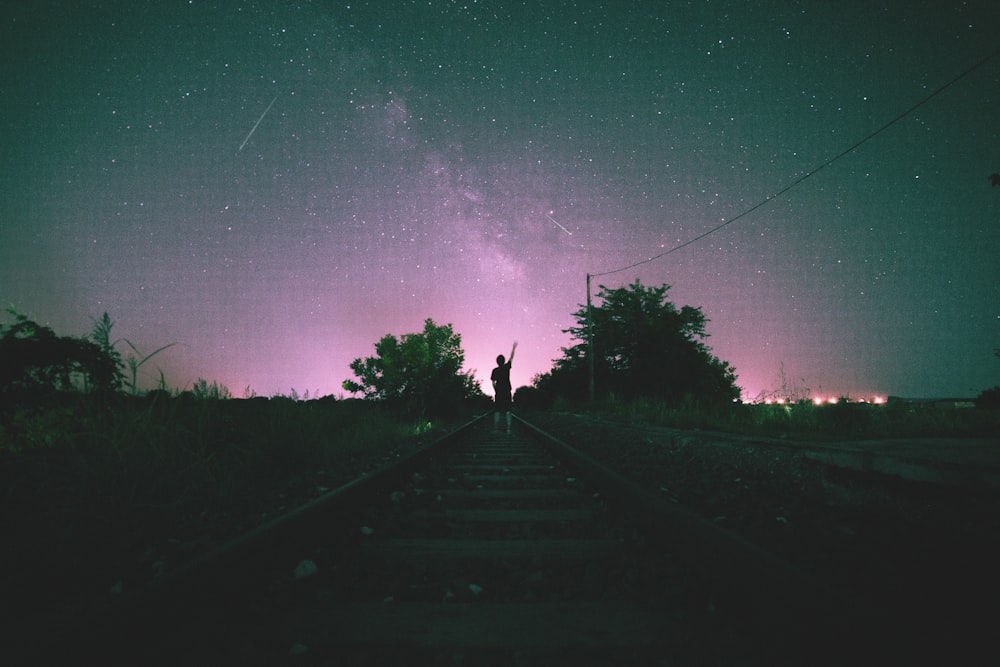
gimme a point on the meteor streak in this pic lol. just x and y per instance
(257, 123)
(558, 225)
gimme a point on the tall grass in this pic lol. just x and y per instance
(164, 460)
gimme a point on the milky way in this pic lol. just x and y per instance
(471, 162)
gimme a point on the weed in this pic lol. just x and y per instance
(160, 461)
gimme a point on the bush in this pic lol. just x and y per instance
(989, 399)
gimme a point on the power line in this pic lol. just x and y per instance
(811, 173)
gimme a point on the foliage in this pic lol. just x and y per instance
(86, 482)
(100, 334)
(531, 398)
(136, 360)
(643, 346)
(35, 361)
(990, 398)
(420, 371)
(202, 390)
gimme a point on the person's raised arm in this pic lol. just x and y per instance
(510, 359)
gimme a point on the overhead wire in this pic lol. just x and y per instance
(810, 173)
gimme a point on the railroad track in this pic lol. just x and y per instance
(485, 548)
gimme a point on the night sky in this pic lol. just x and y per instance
(276, 185)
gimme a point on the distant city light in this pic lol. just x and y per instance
(823, 400)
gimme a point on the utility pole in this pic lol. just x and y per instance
(590, 346)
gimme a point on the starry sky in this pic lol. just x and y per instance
(274, 186)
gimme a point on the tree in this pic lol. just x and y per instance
(35, 361)
(420, 371)
(990, 398)
(644, 346)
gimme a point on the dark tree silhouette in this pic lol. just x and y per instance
(420, 371)
(34, 361)
(990, 398)
(644, 346)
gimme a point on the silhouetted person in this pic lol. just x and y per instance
(501, 388)
(995, 179)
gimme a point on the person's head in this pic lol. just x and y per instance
(500, 360)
